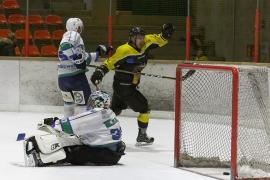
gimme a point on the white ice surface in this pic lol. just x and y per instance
(140, 163)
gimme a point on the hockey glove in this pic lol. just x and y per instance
(167, 30)
(98, 75)
(104, 50)
(50, 121)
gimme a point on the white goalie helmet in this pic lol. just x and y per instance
(74, 24)
(99, 99)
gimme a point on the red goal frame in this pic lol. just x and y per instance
(235, 88)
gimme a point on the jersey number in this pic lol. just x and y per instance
(116, 134)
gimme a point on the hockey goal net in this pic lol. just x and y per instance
(222, 119)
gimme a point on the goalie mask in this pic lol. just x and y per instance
(99, 99)
(74, 24)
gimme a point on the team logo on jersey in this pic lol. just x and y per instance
(110, 122)
(67, 97)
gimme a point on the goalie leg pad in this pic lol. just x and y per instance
(31, 153)
(41, 150)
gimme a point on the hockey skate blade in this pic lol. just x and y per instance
(139, 144)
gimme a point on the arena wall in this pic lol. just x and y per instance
(33, 83)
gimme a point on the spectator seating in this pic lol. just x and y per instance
(17, 51)
(35, 20)
(3, 21)
(45, 33)
(49, 51)
(4, 32)
(16, 21)
(53, 20)
(42, 37)
(33, 51)
(10, 4)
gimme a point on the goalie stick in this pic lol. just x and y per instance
(184, 77)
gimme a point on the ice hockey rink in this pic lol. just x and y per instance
(144, 163)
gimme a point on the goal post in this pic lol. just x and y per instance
(219, 112)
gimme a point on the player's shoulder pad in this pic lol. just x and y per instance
(72, 37)
(123, 48)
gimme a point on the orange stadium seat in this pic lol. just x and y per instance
(35, 20)
(49, 50)
(20, 34)
(58, 34)
(33, 51)
(3, 19)
(10, 4)
(16, 19)
(17, 51)
(53, 20)
(4, 32)
(42, 34)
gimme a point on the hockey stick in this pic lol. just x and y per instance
(184, 77)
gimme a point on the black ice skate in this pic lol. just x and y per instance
(143, 139)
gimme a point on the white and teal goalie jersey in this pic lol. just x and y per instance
(97, 127)
(72, 55)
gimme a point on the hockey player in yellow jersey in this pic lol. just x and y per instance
(133, 56)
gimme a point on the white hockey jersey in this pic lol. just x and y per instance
(72, 55)
(97, 127)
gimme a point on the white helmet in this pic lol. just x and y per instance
(99, 99)
(73, 24)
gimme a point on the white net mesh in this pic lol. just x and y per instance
(206, 119)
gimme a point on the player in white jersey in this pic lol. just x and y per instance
(73, 61)
(90, 137)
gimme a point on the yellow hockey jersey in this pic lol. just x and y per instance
(130, 59)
